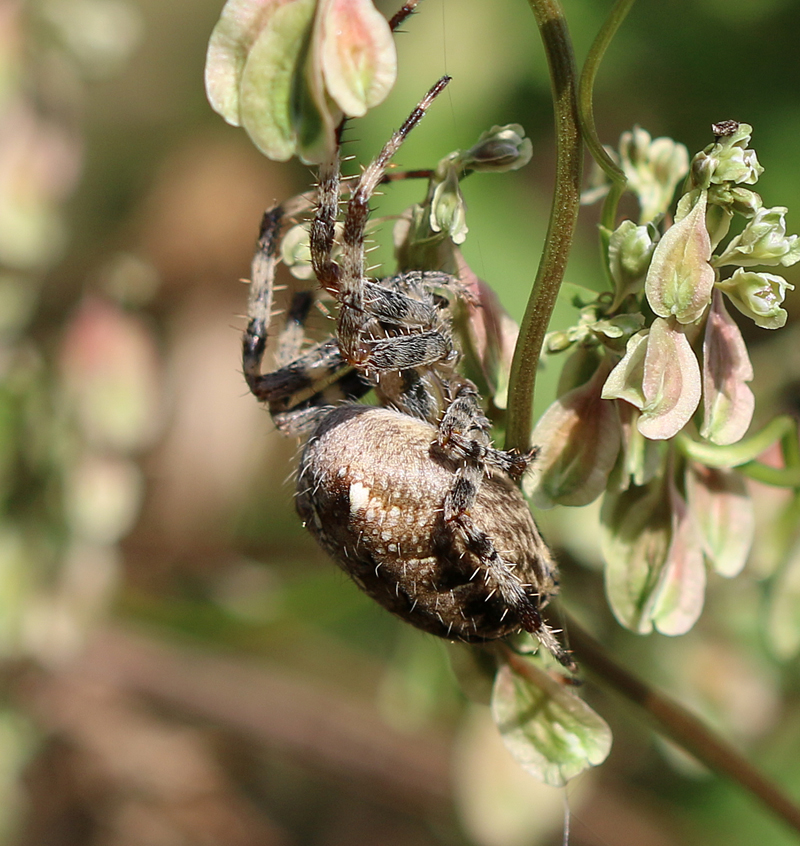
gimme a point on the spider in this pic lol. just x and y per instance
(409, 497)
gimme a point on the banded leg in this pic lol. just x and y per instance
(262, 287)
(351, 330)
(464, 432)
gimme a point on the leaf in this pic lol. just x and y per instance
(552, 733)
(723, 512)
(579, 437)
(728, 403)
(680, 279)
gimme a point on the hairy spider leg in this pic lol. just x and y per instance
(260, 297)
(306, 383)
(464, 435)
(347, 281)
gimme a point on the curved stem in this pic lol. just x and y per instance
(563, 217)
(680, 725)
(608, 216)
(586, 110)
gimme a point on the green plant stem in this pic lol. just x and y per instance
(681, 726)
(586, 111)
(742, 455)
(563, 217)
(618, 179)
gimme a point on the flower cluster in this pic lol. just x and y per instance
(659, 366)
(288, 71)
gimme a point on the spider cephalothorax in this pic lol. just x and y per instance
(410, 497)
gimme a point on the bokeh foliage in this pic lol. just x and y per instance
(181, 664)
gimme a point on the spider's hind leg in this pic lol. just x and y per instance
(464, 436)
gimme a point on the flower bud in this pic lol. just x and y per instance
(736, 163)
(500, 149)
(728, 160)
(630, 249)
(762, 241)
(296, 251)
(758, 295)
(449, 209)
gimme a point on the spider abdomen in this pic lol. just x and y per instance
(371, 489)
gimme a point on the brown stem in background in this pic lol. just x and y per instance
(681, 726)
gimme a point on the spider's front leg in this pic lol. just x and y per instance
(347, 281)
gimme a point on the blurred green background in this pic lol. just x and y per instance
(181, 665)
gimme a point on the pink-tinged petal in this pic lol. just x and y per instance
(490, 333)
(636, 531)
(239, 25)
(680, 279)
(625, 380)
(579, 438)
(727, 401)
(671, 381)
(723, 512)
(359, 60)
(678, 599)
(654, 562)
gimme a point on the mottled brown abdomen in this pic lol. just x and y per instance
(370, 489)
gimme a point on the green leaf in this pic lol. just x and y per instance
(552, 733)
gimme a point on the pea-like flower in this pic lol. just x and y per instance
(762, 241)
(448, 207)
(630, 249)
(654, 167)
(758, 295)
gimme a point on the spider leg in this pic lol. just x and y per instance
(464, 435)
(262, 287)
(351, 281)
(299, 391)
